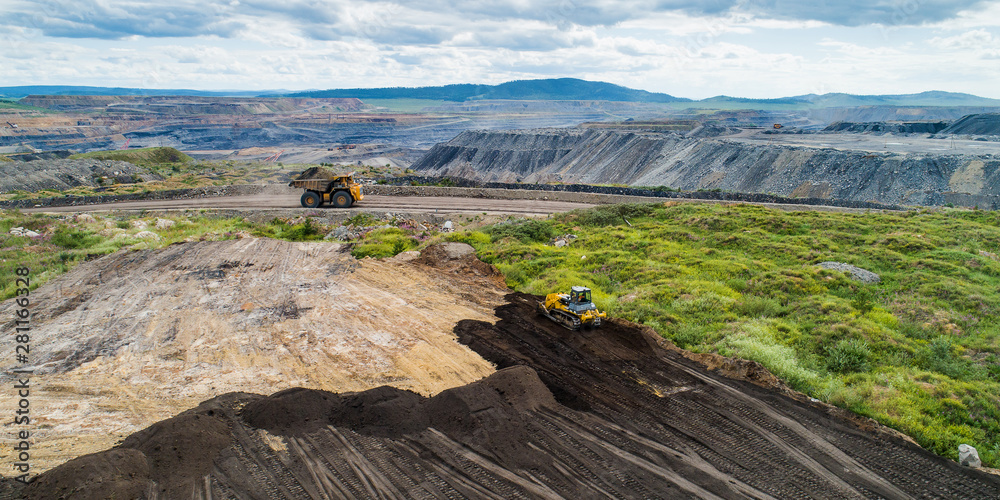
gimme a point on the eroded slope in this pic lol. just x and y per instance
(136, 337)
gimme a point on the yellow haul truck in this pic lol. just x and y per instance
(341, 190)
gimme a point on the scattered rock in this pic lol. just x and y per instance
(84, 218)
(164, 223)
(147, 235)
(968, 456)
(343, 233)
(20, 231)
(447, 227)
(856, 273)
(242, 235)
(989, 255)
(139, 224)
(560, 243)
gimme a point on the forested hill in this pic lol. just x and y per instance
(551, 89)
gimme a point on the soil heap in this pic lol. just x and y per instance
(610, 413)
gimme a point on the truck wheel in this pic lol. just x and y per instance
(311, 199)
(342, 199)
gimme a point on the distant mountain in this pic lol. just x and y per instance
(559, 89)
(22, 91)
(838, 100)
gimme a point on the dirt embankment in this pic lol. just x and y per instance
(61, 174)
(978, 124)
(931, 127)
(691, 164)
(136, 337)
(611, 413)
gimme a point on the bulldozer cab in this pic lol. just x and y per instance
(579, 295)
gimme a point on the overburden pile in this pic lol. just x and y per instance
(613, 412)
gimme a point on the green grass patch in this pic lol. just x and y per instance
(142, 156)
(919, 351)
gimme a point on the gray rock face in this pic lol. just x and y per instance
(65, 174)
(856, 273)
(968, 456)
(635, 158)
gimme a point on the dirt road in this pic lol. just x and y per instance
(609, 413)
(420, 204)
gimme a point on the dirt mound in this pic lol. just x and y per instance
(116, 473)
(607, 413)
(316, 173)
(978, 124)
(458, 258)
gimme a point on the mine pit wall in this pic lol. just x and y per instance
(690, 164)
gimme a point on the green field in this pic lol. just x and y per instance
(917, 351)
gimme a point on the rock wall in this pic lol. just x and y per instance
(690, 164)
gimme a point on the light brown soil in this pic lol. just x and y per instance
(136, 337)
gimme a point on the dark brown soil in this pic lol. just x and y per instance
(608, 413)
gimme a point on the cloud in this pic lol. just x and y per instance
(434, 21)
(109, 20)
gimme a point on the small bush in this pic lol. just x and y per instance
(71, 238)
(759, 307)
(848, 356)
(525, 231)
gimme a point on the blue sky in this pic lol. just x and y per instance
(697, 49)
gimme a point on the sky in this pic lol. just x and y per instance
(686, 48)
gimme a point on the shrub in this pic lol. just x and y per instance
(71, 238)
(848, 356)
(525, 231)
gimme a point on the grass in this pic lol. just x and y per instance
(142, 156)
(920, 351)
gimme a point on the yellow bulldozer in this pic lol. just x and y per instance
(574, 310)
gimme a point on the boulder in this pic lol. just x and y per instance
(164, 223)
(857, 274)
(147, 235)
(968, 456)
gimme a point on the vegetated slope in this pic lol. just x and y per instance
(595, 156)
(607, 413)
(919, 351)
(140, 156)
(126, 340)
(980, 124)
